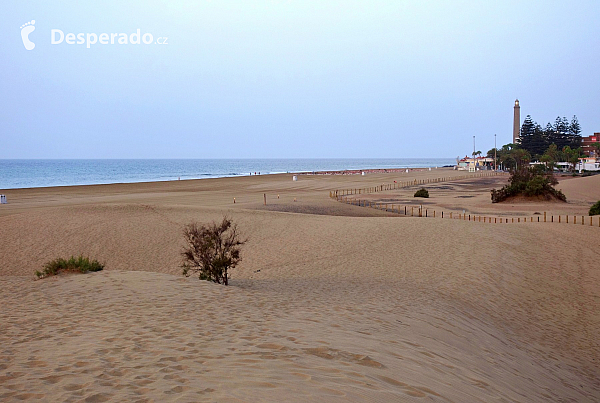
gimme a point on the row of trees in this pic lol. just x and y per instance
(510, 156)
(556, 142)
(553, 155)
(513, 156)
(536, 139)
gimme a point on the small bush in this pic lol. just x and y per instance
(422, 193)
(74, 264)
(211, 250)
(595, 209)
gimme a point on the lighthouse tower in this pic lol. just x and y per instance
(517, 123)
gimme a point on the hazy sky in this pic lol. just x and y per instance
(297, 79)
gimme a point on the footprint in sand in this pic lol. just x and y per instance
(26, 29)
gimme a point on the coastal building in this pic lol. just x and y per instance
(559, 166)
(475, 164)
(516, 123)
(587, 145)
(588, 164)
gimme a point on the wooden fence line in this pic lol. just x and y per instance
(342, 196)
(419, 211)
(391, 186)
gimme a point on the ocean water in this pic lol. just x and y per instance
(40, 173)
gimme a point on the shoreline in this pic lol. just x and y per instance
(304, 173)
(372, 171)
(28, 174)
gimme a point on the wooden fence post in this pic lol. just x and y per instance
(544, 216)
(265, 196)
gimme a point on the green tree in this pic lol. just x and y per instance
(505, 156)
(571, 156)
(536, 141)
(574, 133)
(550, 157)
(574, 127)
(559, 135)
(521, 157)
(561, 125)
(528, 126)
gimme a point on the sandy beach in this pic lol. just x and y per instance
(331, 302)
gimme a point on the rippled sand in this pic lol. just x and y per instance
(345, 303)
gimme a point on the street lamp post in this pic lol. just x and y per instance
(495, 167)
(474, 165)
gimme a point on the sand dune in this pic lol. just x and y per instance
(323, 307)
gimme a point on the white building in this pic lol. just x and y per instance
(588, 164)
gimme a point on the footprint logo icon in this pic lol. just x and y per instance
(26, 29)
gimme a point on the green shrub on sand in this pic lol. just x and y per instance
(74, 265)
(595, 209)
(422, 193)
(529, 182)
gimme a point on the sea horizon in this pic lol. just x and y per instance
(35, 173)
